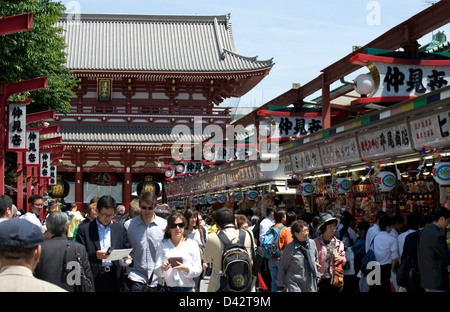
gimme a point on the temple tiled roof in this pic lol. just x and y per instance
(154, 44)
(123, 134)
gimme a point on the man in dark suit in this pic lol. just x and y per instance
(58, 261)
(433, 253)
(97, 237)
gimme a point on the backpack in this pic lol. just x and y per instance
(270, 243)
(236, 273)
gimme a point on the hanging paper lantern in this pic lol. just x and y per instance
(237, 196)
(202, 200)
(341, 185)
(252, 195)
(306, 189)
(180, 168)
(222, 198)
(211, 199)
(384, 181)
(441, 173)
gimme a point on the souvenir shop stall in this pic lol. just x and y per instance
(238, 185)
(396, 160)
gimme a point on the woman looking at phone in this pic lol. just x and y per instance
(178, 258)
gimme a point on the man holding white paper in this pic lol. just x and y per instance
(100, 237)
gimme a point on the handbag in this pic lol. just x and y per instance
(149, 288)
(408, 274)
(338, 276)
(338, 273)
(85, 284)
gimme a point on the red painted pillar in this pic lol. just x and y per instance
(19, 203)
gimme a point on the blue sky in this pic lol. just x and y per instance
(302, 37)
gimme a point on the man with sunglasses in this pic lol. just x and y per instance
(145, 232)
(98, 237)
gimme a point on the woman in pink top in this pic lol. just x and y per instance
(331, 252)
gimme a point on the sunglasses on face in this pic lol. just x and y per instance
(147, 207)
(175, 225)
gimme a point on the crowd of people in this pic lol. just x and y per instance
(73, 251)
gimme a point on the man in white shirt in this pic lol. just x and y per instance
(266, 223)
(36, 204)
(386, 252)
(374, 230)
(398, 222)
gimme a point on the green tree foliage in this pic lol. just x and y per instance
(36, 53)
(32, 54)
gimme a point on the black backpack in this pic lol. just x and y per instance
(236, 274)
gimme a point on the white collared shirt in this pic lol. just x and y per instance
(385, 247)
(104, 234)
(30, 216)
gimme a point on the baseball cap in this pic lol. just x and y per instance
(20, 233)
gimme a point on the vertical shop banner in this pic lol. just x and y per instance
(53, 176)
(432, 131)
(286, 163)
(306, 161)
(17, 123)
(339, 153)
(388, 142)
(45, 165)
(32, 154)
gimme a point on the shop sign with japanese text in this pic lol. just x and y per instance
(53, 173)
(296, 126)
(45, 165)
(17, 123)
(410, 80)
(306, 161)
(194, 167)
(338, 153)
(432, 131)
(286, 163)
(390, 141)
(32, 154)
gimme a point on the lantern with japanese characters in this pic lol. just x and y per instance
(341, 186)
(306, 189)
(441, 173)
(384, 181)
(60, 190)
(148, 185)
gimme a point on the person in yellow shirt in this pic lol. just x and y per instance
(75, 219)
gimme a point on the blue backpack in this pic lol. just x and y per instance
(270, 243)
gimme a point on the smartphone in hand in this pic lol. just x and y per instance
(173, 261)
